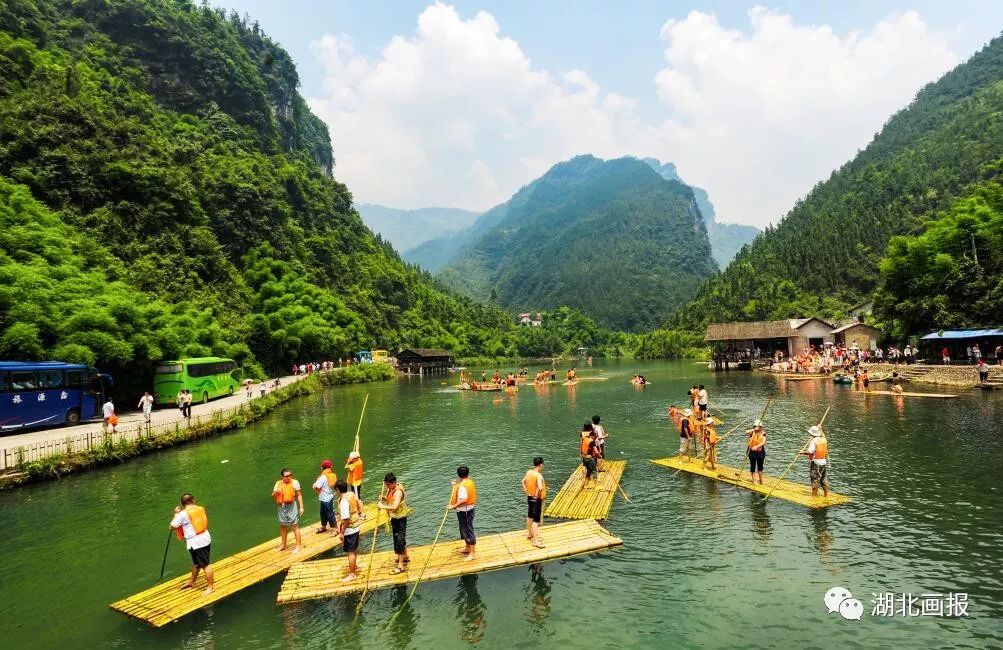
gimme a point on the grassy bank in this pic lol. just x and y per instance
(128, 443)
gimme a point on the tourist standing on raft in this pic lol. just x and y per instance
(349, 518)
(354, 465)
(393, 503)
(686, 433)
(710, 445)
(324, 487)
(586, 447)
(600, 439)
(192, 525)
(287, 495)
(536, 491)
(818, 455)
(756, 450)
(462, 500)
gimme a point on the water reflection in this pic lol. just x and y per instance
(821, 537)
(538, 597)
(470, 610)
(714, 497)
(401, 628)
(761, 526)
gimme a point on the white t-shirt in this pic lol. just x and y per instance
(192, 541)
(108, 409)
(811, 450)
(462, 495)
(345, 513)
(326, 493)
(702, 396)
(600, 433)
(146, 401)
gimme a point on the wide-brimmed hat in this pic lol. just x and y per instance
(814, 430)
(757, 423)
(353, 455)
(688, 412)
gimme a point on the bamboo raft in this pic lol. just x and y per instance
(576, 501)
(905, 394)
(167, 602)
(323, 578)
(794, 492)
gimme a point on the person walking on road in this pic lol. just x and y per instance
(288, 496)
(146, 403)
(192, 525)
(108, 413)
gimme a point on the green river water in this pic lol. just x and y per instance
(703, 564)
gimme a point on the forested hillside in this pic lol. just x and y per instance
(165, 191)
(611, 238)
(726, 239)
(824, 255)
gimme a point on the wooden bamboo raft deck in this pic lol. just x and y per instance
(323, 578)
(794, 492)
(576, 501)
(167, 602)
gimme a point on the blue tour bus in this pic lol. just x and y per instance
(49, 393)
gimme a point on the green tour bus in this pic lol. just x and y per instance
(206, 377)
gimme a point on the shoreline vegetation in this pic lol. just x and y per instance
(116, 448)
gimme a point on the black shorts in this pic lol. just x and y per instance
(535, 511)
(398, 528)
(351, 542)
(756, 459)
(466, 522)
(200, 556)
(703, 408)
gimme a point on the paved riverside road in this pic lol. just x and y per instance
(129, 418)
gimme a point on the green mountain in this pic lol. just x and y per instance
(405, 229)
(612, 238)
(165, 191)
(941, 153)
(726, 239)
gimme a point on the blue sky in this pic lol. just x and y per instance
(483, 97)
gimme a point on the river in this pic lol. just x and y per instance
(703, 564)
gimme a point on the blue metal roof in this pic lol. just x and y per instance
(963, 334)
(41, 365)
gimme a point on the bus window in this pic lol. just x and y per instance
(74, 379)
(169, 369)
(4, 382)
(50, 379)
(23, 381)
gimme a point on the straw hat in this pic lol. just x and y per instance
(757, 423)
(353, 455)
(688, 412)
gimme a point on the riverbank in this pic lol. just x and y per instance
(51, 454)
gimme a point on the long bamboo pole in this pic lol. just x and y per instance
(372, 552)
(796, 456)
(359, 428)
(428, 559)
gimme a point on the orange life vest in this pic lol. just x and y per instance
(584, 447)
(355, 472)
(284, 492)
(757, 439)
(332, 478)
(199, 519)
(471, 489)
(535, 485)
(821, 449)
(711, 435)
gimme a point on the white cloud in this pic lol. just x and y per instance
(456, 114)
(759, 117)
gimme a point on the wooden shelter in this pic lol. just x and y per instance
(423, 361)
(790, 335)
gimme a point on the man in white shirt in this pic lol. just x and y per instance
(197, 538)
(324, 487)
(146, 403)
(349, 518)
(600, 441)
(818, 454)
(107, 410)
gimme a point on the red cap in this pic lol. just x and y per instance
(326, 465)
